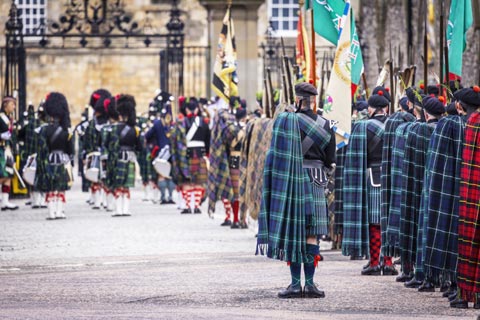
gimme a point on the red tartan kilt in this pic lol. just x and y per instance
(235, 178)
(198, 170)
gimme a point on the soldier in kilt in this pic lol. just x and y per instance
(468, 267)
(92, 139)
(190, 147)
(362, 187)
(6, 155)
(122, 144)
(149, 176)
(80, 133)
(293, 212)
(55, 152)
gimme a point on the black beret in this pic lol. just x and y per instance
(433, 89)
(433, 106)
(451, 109)
(403, 103)
(414, 96)
(469, 96)
(305, 89)
(378, 100)
(361, 105)
(386, 94)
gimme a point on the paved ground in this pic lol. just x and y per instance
(159, 264)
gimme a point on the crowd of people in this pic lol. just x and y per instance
(406, 186)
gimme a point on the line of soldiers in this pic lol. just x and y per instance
(409, 184)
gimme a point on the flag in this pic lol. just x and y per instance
(337, 104)
(303, 58)
(327, 16)
(459, 21)
(355, 55)
(225, 79)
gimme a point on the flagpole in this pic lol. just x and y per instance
(441, 42)
(425, 47)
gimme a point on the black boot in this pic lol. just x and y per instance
(226, 223)
(453, 296)
(404, 277)
(311, 291)
(372, 271)
(290, 292)
(366, 266)
(459, 303)
(389, 270)
(186, 211)
(414, 283)
(426, 286)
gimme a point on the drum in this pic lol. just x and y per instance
(161, 164)
(30, 169)
(92, 166)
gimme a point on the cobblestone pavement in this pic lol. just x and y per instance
(159, 264)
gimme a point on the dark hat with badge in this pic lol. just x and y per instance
(434, 106)
(470, 96)
(378, 100)
(385, 92)
(404, 103)
(305, 89)
(451, 109)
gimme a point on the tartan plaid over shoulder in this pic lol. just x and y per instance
(443, 191)
(391, 126)
(468, 271)
(411, 221)
(355, 199)
(219, 182)
(287, 200)
(180, 169)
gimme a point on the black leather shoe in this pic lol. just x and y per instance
(450, 291)
(243, 225)
(313, 292)
(426, 286)
(366, 266)
(186, 211)
(197, 211)
(459, 304)
(372, 271)
(290, 292)
(453, 296)
(444, 287)
(389, 271)
(226, 223)
(356, 258)
(404, 277)
(235, 225)
(414, 283)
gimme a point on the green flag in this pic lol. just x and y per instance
(459, 21)
(327, 16)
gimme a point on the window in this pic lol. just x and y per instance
(284, 16)
(33, 13)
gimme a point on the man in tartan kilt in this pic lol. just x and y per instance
(413, 210)
(468, 268)
(6, 155)
(293, 212)
(190, 148)
(122, 144)
(362, 187)
(55, 154)
(92, 140)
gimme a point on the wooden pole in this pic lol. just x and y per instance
(425, 46)
(442, 37)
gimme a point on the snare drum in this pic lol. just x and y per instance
(30, 169)
(92, 167)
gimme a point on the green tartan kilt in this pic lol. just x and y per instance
(146, 168)
(124, 175)
(3, 165)
(374, 203)
(54, 179)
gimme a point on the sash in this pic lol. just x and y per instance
(314, 130)
(193, 129)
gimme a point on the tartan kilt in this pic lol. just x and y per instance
(54, 179)
(124, 175)
(374, 203)
(319, 214)
(235, 178)
(198, 169)
(3, 165)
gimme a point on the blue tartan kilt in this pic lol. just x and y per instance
(124, 175)
(319, 207)
(374, 203)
